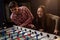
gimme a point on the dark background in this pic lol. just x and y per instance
(52, 6)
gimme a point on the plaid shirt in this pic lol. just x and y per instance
(23, 18)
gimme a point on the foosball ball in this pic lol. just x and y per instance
(21, 33)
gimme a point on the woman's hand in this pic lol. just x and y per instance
(41, 30)
(56, 31)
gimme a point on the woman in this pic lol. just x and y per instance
(40, 18)
(43, 21)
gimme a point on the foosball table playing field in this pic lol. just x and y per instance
(21, 33)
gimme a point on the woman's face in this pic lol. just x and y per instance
(40, 12)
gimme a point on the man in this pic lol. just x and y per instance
(21, 15)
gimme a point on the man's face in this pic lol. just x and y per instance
(40, 12)
(14, 10)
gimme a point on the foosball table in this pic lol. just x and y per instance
(21, 33)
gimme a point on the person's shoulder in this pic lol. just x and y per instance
(23, 7)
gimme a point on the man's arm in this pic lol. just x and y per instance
(30, 17)
(14, 20)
